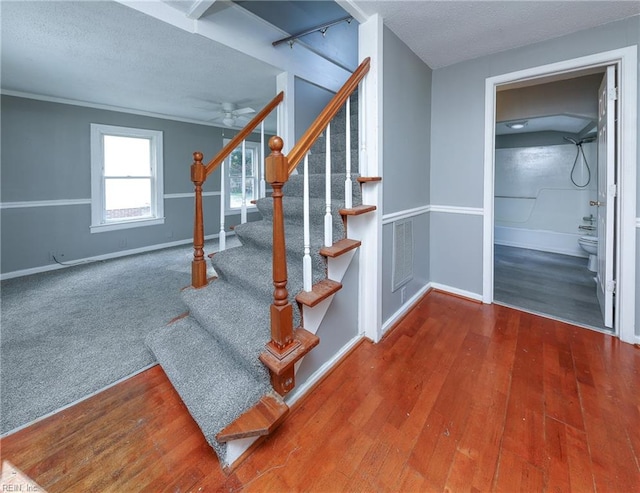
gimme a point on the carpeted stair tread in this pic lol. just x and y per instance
(215, 388)
(258, 235)
(294, 211)
(252, 274)
(235, 318)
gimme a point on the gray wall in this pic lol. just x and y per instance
(458, 140)
(46, 156)
(406, 126)
(310, 101)
(406, 154)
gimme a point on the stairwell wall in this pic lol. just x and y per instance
(310, 101)
(406, 168)
(46, 157)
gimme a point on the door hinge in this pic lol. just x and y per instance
(611, 287)
(613, 94)
(613, 190)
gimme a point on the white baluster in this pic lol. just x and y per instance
(243, 208)
(306, 260)
(328, 222)
(348, 184)
(263, 186)
(362, 131)
(222, 237)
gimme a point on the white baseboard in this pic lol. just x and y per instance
(404, 308)
(106, 256)
(458, 292)
(545, 241)
(316, 376)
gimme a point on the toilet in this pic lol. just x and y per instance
(590, 245)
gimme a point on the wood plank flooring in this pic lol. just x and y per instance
(547, 283)
(459, 397)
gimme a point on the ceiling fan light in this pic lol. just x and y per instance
(228, 121)
(517, 125)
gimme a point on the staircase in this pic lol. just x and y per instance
(221, 357)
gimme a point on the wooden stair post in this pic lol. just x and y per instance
(198, 266)
(282, 341)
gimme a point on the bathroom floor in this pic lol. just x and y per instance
(552, 284)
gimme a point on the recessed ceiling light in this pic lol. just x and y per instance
(517, 125)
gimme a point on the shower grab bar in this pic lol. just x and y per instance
(514, 197)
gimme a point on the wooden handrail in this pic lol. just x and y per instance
(199, 173)
(313, 132)
(243, 134)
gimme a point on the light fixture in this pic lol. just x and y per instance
(517, 125)
(321, 29)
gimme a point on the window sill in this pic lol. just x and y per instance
(138, 223)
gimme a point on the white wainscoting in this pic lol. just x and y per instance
(545, 241)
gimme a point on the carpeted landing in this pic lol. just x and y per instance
(69, 333)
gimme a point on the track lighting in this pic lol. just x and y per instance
(321, 29)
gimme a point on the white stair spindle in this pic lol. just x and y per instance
(348, 184)
(328, 221)
(362, 131)
(306, 260)
(243, 209)
(263, 186)
(222, 237)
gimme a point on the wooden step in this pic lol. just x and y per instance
(369, 179)
(357, 210)
(340, 247)
(305, 341)
(319, 291)
(260, 420)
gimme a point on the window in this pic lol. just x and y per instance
(126, 178)
(234, 176)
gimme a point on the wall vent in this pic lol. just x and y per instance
(402, 266)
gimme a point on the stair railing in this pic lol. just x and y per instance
(279, 167)
(199, 174)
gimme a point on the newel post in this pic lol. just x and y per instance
(282, 340)
(198, 266)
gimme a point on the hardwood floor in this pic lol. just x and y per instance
(459, 397)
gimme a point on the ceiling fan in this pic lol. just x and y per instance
(230, 115)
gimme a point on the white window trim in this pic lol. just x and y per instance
(234, 211)
(98, 225)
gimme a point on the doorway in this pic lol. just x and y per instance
(545, 185)
(624, 258)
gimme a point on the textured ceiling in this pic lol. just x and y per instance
(106, 53)
(442, 33)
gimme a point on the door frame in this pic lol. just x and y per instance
(626, 61)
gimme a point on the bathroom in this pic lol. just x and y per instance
(546, 173)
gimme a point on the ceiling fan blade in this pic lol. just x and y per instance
(244, 111)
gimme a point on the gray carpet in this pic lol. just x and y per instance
(69, 333)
